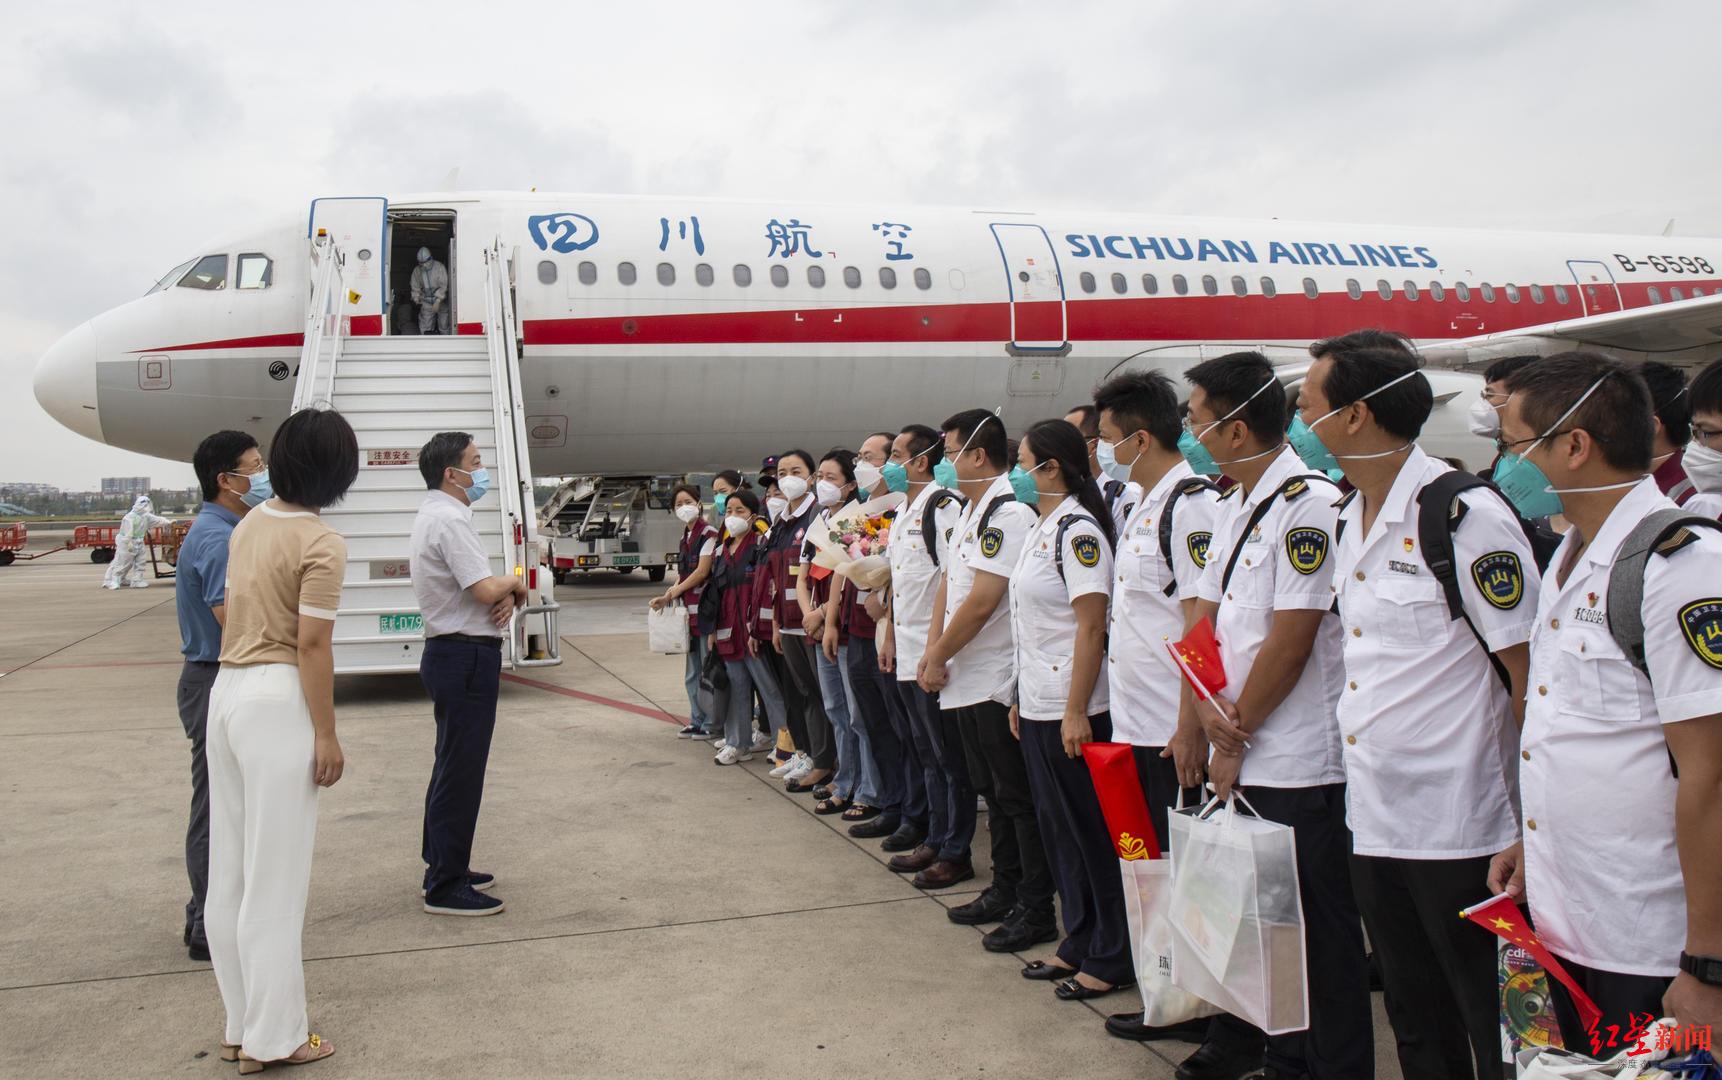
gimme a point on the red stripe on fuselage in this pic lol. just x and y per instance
(262, 341)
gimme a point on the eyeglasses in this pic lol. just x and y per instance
(1704, 436)
(1503, 446)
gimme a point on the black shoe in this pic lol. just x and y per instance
(1268, 1072)
(464, 902)
(198, 950)
(992, 905)
(1214, 1062)
(883, 825)
(1130, 1026)
(1018, 933)
(474, 879)
(906, 838)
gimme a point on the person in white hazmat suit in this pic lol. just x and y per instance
(430, 293)
(128, 564)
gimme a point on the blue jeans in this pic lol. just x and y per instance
(834, 691)
(697, 715)
(769, 692)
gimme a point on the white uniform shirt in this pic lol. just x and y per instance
(1144, 618)
(1298, 743)
(986, 668)
(914, 577)
(795, 567)
(1427, 728)
(1601, 871)
(1123, 506)
(447, 559)
(1704, 505)
(1042, 619)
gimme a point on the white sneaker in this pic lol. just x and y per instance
(762, 742)
(718, 742)
(729, 755)
(784, 769)
(803, 766)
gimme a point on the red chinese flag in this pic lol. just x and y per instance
(1501, 916)
(1113, 769)
(1201, 655)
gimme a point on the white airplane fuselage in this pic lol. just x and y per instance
(850, 319)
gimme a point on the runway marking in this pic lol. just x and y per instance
(598, 699)
(86, 637)
(111, 663)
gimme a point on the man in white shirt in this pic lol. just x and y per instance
(1621, 762)
(1268, 586)
(1703, 457)
(971, 663)
(464, 607)
(1121, 494)
(1429, 712)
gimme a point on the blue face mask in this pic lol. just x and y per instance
(1525, 486)
(1107, 454)
(896, 476)
(718, 501)
(1309, 446)
(1197, 455)
(1022, 485)
(260, 491)
(480, 484)
(945, 474)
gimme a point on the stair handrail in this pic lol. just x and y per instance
(322, 318)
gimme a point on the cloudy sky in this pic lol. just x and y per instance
(132, 134)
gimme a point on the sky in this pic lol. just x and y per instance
(133, 134)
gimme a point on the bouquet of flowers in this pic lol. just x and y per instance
(852, 541)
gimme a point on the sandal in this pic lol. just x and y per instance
(861, 812)
(312, 1049)
(229, 1051)
(833, 805)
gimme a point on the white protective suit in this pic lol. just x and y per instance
(129, 542)
(430, 293)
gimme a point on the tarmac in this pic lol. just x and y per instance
(666, 918)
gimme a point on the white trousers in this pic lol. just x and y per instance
(128, 566)
(262, 826)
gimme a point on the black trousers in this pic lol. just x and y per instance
(1079, 849)
(1000, 775)
(944, 771)
(1340, 1041)
(463, 679)
(1159, 779)
(821, 741)
(1618, 995)
(1439, 972)
(195, 680)
(794, 701)
(874, 704)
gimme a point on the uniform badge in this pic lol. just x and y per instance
(1409, 544)
(1501, 578)
(1307, 549)
(1198, 544)
(948, 533)
(992, 542)
(1591, 597)
(1087, 550)
(1701, 623)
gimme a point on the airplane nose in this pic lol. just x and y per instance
(65, 382)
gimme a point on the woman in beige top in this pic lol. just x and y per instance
(271, 741)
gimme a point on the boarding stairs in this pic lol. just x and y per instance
(397, 392)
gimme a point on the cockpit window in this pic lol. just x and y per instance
(171, 276)
(210, 273)
(257, 272)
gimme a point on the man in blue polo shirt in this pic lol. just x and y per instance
(234, 479)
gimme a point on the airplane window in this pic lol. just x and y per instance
(258, 272)
(743, 275)
(588, 273)
(1180, 285)
(1674, 293)
(1209, 285)
(1488, 292)
(1561, 296)
(887, 277)
(923, 278)
(1436, 292)
(1309, 288)
(1239, 286)
(1536, 294)
(1269, 289)
(546, 273)
(816, 276)
(666, 274)
(1462, 291)
(779, 275)
(625, 273)
(170, 277)
(1410, 290)
(1384, 288)
(1353, 289)
(1696, 291)
(703, 273)
(1087, 280)
(852, 276)
(1655, 295)
(1150, 284)
(210, 274)
(1512, 292)
(1119, 284)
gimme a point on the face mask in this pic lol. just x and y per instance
(1525, 485)
(737, 526)
(1201, 462)
(867, 476)
(896, 475)
(1107, 454)
(1022, 485)
(1484, 419)
(793, 487)
(480, 484)
(827, 493)
(720, 500)
(687, 512)
(1703, 467)
(1315, 453)
(774, 507)
(260, 491)
(945, 474)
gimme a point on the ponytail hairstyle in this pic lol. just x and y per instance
(1061, 442)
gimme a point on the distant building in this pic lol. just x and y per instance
(125, 485)
(29, 489)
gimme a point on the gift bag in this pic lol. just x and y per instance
(667, 630)
(1236, 916)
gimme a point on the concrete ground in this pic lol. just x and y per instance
(665, 917)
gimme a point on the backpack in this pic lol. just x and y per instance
(1293, 488)
(1188, 486)
(1064, 524)
(1662, 532)
(929, 516)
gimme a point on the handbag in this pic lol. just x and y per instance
(667, 629)
(714, 677)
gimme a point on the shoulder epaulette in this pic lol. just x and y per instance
(1294, 489)
(1676, 540)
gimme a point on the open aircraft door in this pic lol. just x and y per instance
(357, 225)
(1037, 315)
(1596, 286)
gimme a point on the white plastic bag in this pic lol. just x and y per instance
(1632, 1063)
(1147, 896)
(1236, 915)
(667, 629)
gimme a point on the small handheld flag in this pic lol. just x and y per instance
(1501, 916)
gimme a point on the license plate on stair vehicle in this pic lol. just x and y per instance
(627, 560)
(404, 623)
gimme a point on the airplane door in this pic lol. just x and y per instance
(1596, 286)
(357, 225)
(1037, 316)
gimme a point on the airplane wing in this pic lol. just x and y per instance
(1674, 327)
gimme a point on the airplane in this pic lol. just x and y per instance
(666, 334)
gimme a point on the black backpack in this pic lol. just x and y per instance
(1187, 486)
(1294, 488)
(929, 518)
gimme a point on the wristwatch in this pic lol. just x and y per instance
(1706, 969)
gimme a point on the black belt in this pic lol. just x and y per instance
(470, 639)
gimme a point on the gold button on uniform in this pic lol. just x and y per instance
(1360, 575)
(1554, 624)
(1531, 824)
(1246, 562)
(1351, 740)
(1526, 754)
(1353, 684)
(1542, 691)
(1357, 631)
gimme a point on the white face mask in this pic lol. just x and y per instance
(774, 507)
(1703, 467)
(1485, 419)
(737, 526)
(829, 494)
(687, 512)
(793, 487)
(867, 476)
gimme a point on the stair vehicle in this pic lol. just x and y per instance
(620, 523)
